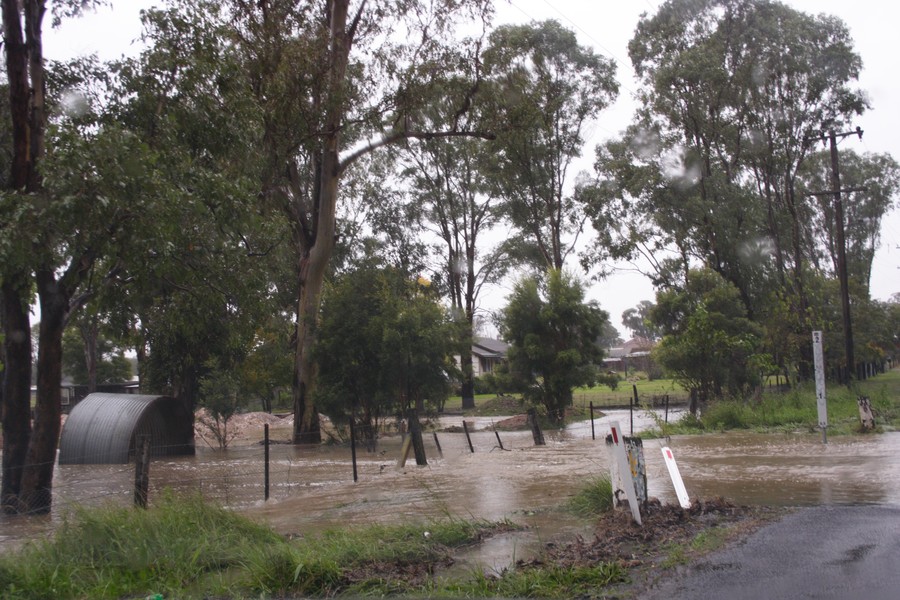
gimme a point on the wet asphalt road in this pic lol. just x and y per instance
(823, 552)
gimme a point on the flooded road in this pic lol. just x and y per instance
(791, 469)
(313, 488)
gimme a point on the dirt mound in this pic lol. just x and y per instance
(258, 419)
(516, 423)
(617, 538)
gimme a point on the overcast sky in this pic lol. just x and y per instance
(607, 26)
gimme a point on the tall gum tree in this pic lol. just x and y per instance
(731, 88)
(450, 187)
(335, 81)
(32, 260)
(545, 90)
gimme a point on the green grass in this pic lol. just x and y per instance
(703, 543)
(796, 410)
(649, 392)
(593, 499)
(548, 582)
(490, 405)
(115, 552)
(183, 548)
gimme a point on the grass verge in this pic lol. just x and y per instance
(183, 548)
(796, 410)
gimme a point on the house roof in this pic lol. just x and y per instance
(489, 348)
(637, 344)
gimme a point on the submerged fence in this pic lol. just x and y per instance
(248, 475)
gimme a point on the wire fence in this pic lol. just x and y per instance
(240, 477)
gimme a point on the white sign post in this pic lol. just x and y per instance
(675, 474)
(821, 404)
(625, 476)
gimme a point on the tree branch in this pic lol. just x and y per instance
(407, 135)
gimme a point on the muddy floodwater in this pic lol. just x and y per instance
(313, 488)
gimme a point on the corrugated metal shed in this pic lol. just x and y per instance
(103, 428)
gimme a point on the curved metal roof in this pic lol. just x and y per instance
(104, 428)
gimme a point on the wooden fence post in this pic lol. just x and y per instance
(438, 444)
(497, 433)
(266, 467)
(142, 471)
(593, 433)
(353, 449)
(535, 427)
(415, 432)
(468, 437)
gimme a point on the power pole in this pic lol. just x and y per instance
(840, 241)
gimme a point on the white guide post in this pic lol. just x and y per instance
(675, 474)
(624, 470)
(821, 404)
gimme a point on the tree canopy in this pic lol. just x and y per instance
(554, 337)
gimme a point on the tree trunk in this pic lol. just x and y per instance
(468, 391)
(37, 477)
(312, 278)
(313, 266)
(15, 402)
(468, 372)
(306, 417)
(90, 333)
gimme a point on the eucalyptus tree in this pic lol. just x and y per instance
(92, 352)
(203, 271)
(139, 181)
(733, 87)
(545, 89)
(637, 319)
(333, 83)
(50, 244)
(449, 186)
(730, 90)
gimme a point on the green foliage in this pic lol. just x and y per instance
(593, 498)
(543, 90)
(219, 398)
(712, 173)
(268, 366)
(709, 344)
(385, 345)
(876, 177)
(112, 366)
(639, 321)
(553, 337)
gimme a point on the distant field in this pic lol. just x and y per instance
(649, 392)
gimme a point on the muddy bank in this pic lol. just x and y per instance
(669, 538)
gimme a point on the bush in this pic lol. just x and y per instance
(726, 414)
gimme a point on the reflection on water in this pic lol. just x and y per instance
(313, 488)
